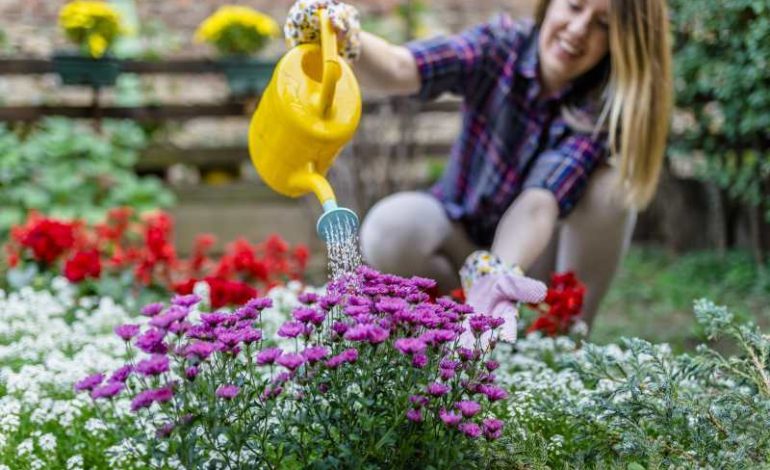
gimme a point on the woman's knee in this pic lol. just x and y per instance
(537, 202)
(600, 223)
(602, 203)
(401, 231)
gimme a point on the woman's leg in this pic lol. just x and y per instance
(594, 237)
(409, 234)
(545, 265)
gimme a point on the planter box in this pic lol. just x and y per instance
(76, 69)
(247, 76)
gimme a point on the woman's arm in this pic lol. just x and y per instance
(385, 67)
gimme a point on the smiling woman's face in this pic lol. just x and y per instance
(573, 39)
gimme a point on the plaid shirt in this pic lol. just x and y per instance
(511, 139)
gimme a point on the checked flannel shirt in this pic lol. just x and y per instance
(511, 138)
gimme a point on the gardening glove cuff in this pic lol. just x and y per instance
(484, 263)
(493, 287)
(303, 25)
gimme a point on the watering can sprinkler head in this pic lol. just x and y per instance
(336, 222)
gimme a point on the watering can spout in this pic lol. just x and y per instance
(309, 111)
(311, 181)
(336, 223)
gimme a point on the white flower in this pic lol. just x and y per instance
(122, 455)
(75, 462)
(9, 422)
(203, 290)
(36, 464)
(95, 426)
(25, 448)
(56, 340)
(47, 442)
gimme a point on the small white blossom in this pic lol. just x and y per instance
(95, 426)
(47, 442)
(25, 448)
(75, 462)
(36, 464)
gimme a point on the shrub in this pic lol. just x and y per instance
(69, 171)
(636, 403)
(375, 379)
(723, 85)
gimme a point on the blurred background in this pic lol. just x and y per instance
(169, 130)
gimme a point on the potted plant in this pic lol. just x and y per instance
(93, 26)
(239, 33)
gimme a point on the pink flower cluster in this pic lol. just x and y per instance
(170, 340)
(385, 311)
(365, 322)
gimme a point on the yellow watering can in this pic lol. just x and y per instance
(309, 111)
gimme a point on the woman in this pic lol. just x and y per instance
(530, 182)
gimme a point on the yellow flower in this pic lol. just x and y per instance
(237, 30)
(92, 25)
(96, 45)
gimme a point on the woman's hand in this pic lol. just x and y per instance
(494, 288)
(303, 26)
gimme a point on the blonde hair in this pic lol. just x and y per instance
(636, 93)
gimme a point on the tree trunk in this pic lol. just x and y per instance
(755, 228)
(717, 219)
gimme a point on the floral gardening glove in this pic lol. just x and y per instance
(495, 288)
(303, 26)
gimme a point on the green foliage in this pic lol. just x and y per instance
(640, 404)
(723, 81)
(652, 295)
(66, 170)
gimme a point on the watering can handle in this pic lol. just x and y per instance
(332, 71)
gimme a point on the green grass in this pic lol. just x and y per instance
(653, 294)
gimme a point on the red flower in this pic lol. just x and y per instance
(47, 238)
(225, 268)
(544, 324)
(184, 288)
(82, 265)
(276, 246)
(243, 255)
(458, 295)
(120, 216)
(203, 244)
(301, 255)
(224, 292)
(145, 246)
(157, 237)
(259, 271)
(116, 224)
(562, 306)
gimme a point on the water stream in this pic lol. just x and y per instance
(342, 244)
